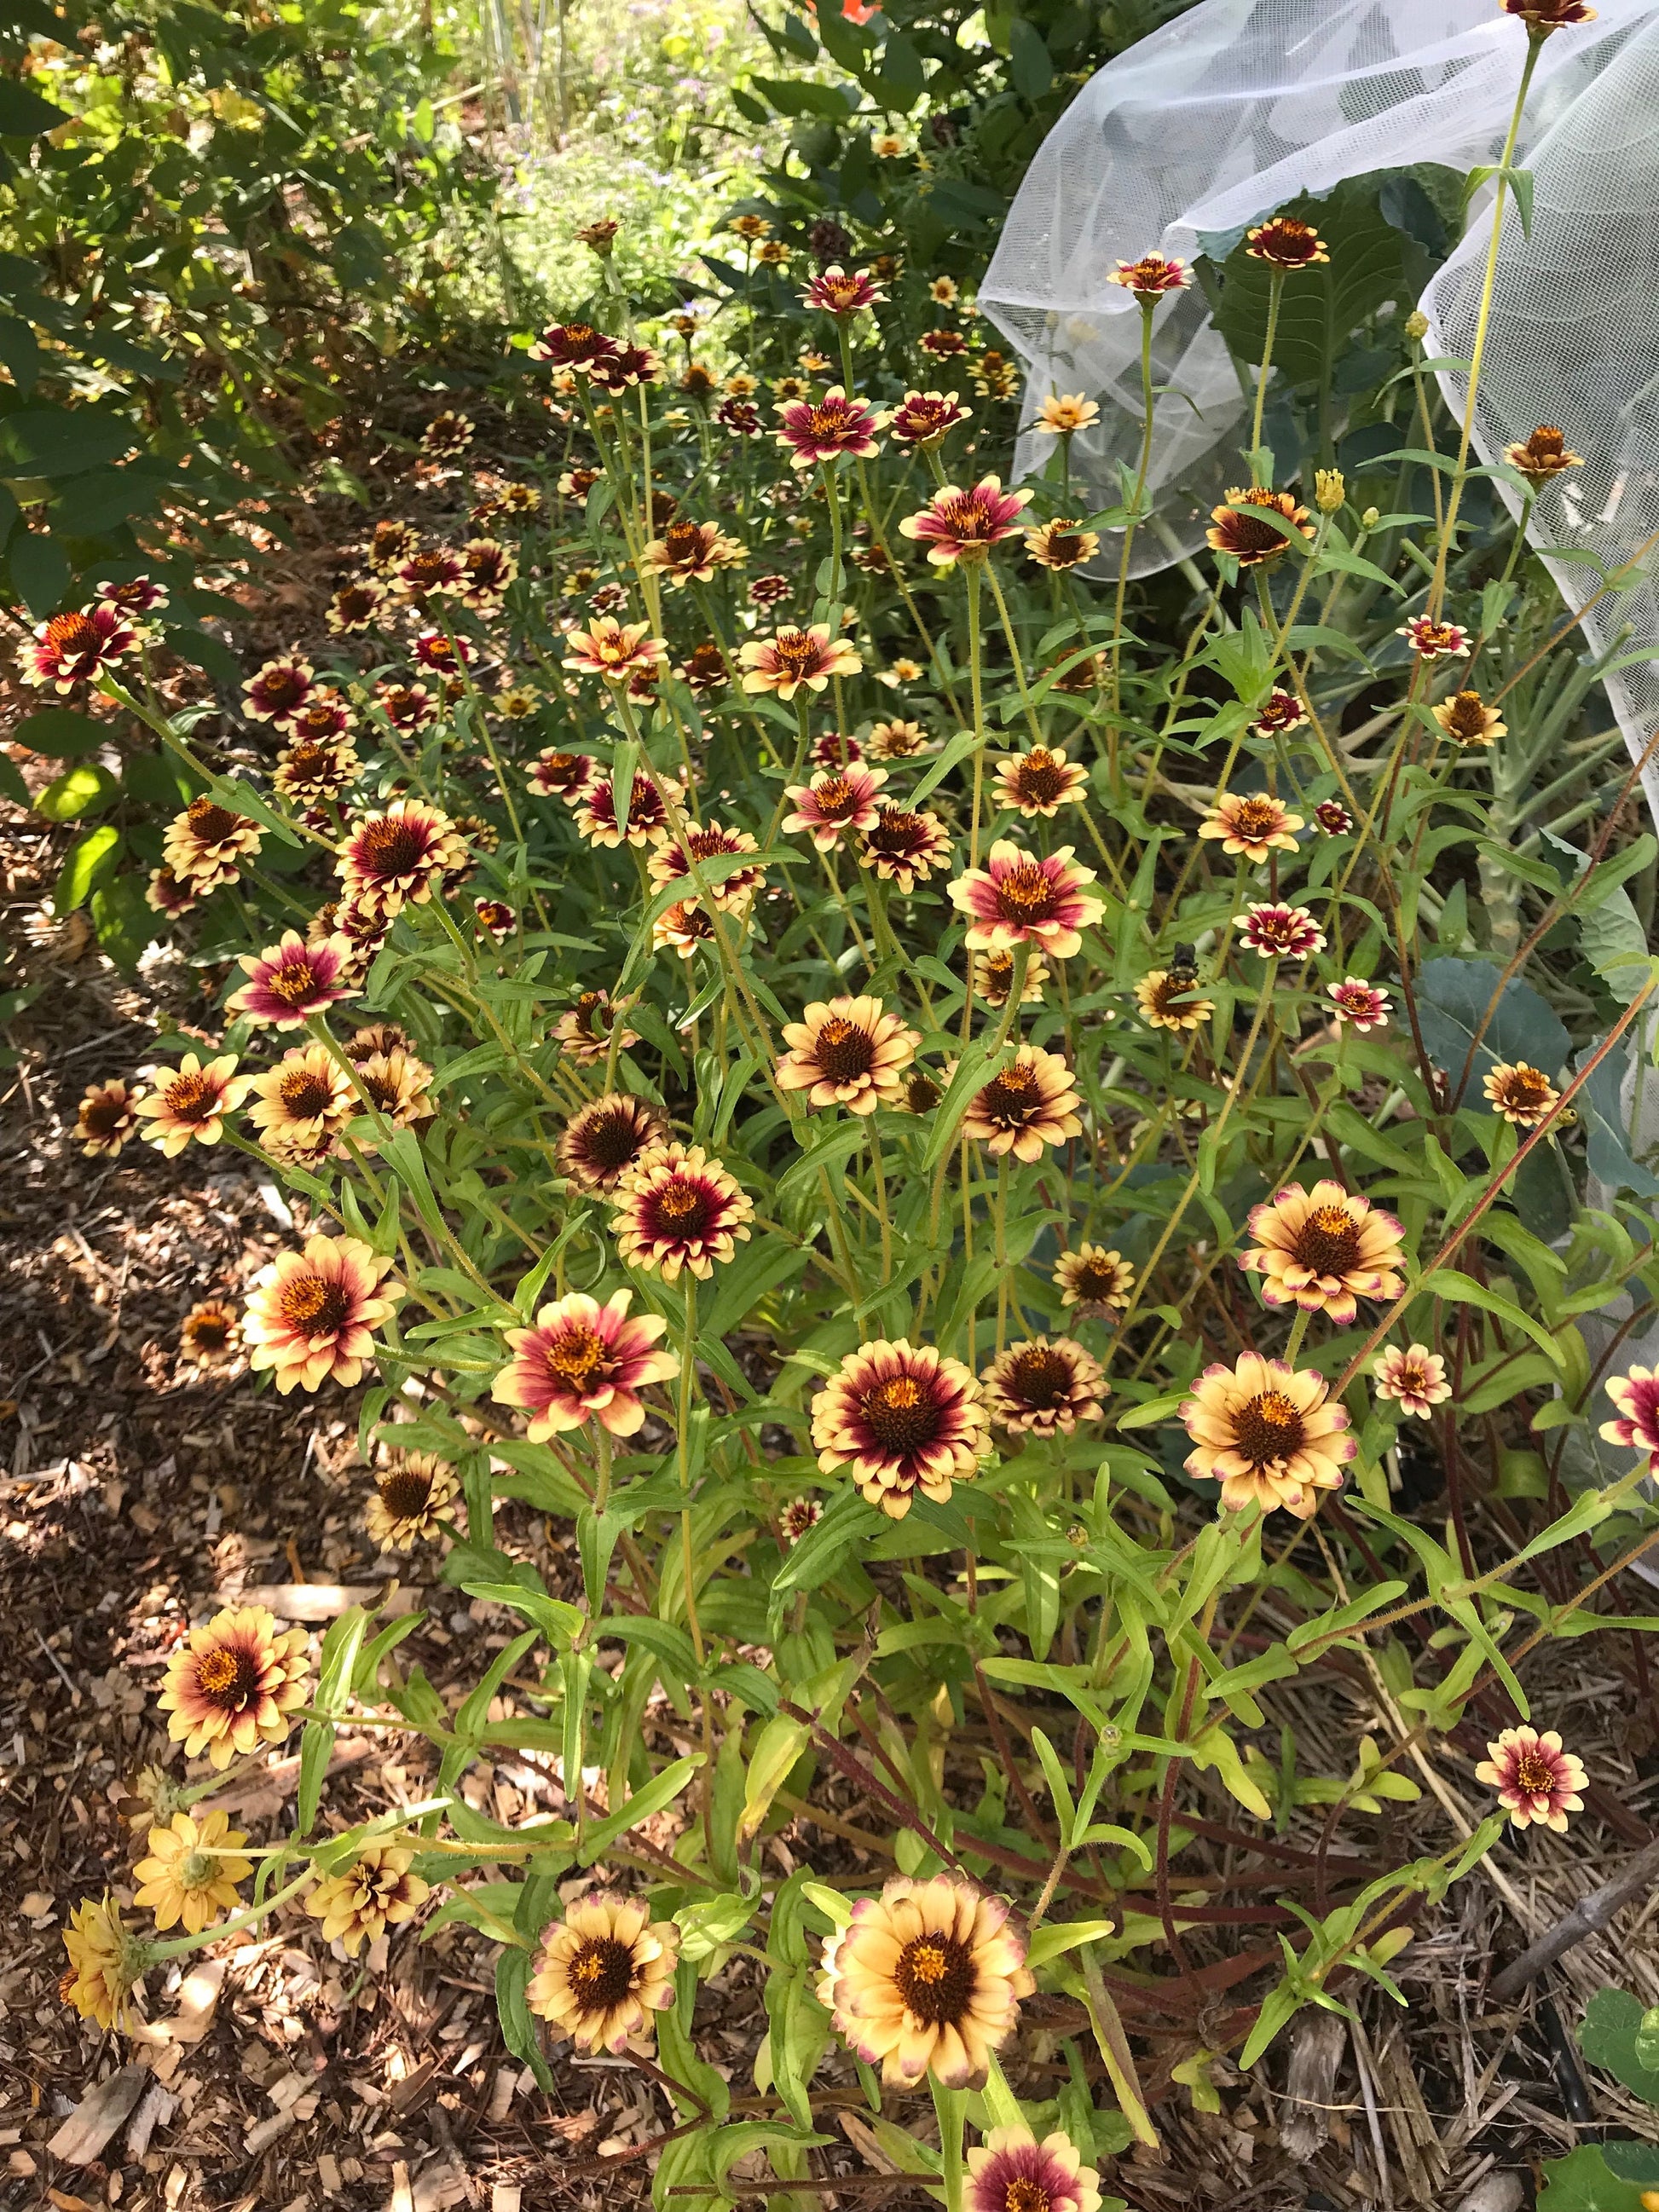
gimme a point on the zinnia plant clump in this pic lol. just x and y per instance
(912, 1156)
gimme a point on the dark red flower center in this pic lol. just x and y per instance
(391, 847)
(293, 982)
(612, 1140)
(1536, 1772)
(102, 1115)
(305, 1094)
(1096, 1281)
(902, 1414)
(897, 834)
(228, 1677)
(314, 1305)
(1256, 817)
(1327, 1240)
(686, 1208)
(211, 824)
(1041, 1378)
(843, 1049)
(1012, 1096)
(1268, 1428)
(208, 1332)
(406, 1491)
(601, 1973)
(1026, 893)
(282, 686)
(70, 635)
(192, 1098)
(934, 1975)
(575, 1356)
(1523, 1091)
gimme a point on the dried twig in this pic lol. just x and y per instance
(1587, 1918)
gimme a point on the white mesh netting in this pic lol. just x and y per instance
(1239, 107)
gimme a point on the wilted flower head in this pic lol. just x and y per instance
(189, 1876)
(583, 1361)
(231, 1686)
(1255, 525)
(603, 1970)
(927, 1979)
(1269, 1436)
(1285, 244)
(1535, 1779)
(311, 1315)
(1415, 1379)
(1152, 276)
(375, 1892)
(106, 1962)
(106, 1117)
(959, 525)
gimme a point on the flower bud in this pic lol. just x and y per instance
(1330, 490)
(1417, 325)
(1371, 518)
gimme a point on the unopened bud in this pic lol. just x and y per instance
(599, 237)
(1417, 325)
(1330, 490)
(1371, 518)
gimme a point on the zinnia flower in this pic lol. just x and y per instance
(702, 843)
(1541, 17)
(1062, 543)
(1333, 818)
(841, 292)
(614, 650)
(304, 1099)
(1152, 276)
(942, 344)
(1283, 711)
(1365, 1004)
(1269, 1436)
(168, 895)
(309, 768)
(994, 977)
(605, 1139)
(792, 656)
(924, 419)
(1167, 997)
(898, 740)
(399, 858)
(231, 1685)
(1535, 1779)
(603, 1970)
(927, 1979)
(1018, 898)
(905, 847)
(406, 706)
(1252, 823)
(677, 1208)
(398, 1084)
(799, 1514)
(1013, 2171)
(848, 1052)
(690, 552)
(574, 346)
(1434, 640)
(1094, 1280)
(1034, 1102)
(828, 429)
(431, 573)
(583, 1359)
(68, 650)
(310, 1314)
(105, 1963)
(1044, 1388)
(1281, 932)
(1285, 244)
(410, 1492)
(141, 595)
(193, 1870)
(188, 1104)
(585, 1030)
(290, 982)
(901, 1417)
(355, 606)
(106, 1117)
(556, 775)
(1519, 1094)
(1467, 721)
(375, 1892)
(1239, 527)
(1320, 1248)
(211, 1333)
(959, 525)
(1415, 1378)
(647, 814)
(205, 844)
(1637, 1397)
(276, 692)
(837, 800)
(1061, 413)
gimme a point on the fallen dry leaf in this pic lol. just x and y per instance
(82, 2136)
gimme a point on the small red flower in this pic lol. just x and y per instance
(924, 419)
(556, 775)
(1152, 276)
(1364, 1004)
(290, 982)
(1283, 711)
(1637, 1397)
(1282, 932)
(1333, 818)
(1284, 244)
(942, 344)
(1535, 1779)
(841, 292)
(575, 346)
(1434, 641)
(72, 649)
(959, 525)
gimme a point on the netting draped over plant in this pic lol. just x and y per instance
(1242, 106)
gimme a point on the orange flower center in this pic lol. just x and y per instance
(1026, 893)
(1536, 1772)
(293, 982)
(281, 687)
(796, 653)
(192, 1098)
(1024, 2195)
(1268, 1428)
(968, 518)
(314, 1306)
(575, 1356)
(69, 636)
(210, 824)
(226, 1677)
(835, 797)
(830, 418)
(601, 1973)
(425, 570)
(1522, 1090)
(304, 1094)
(1040, 779)
(934, 1976)
(901, 1414)
(1256, 817)
(679, 1201)
(1327, 1240)
(843, 1050)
